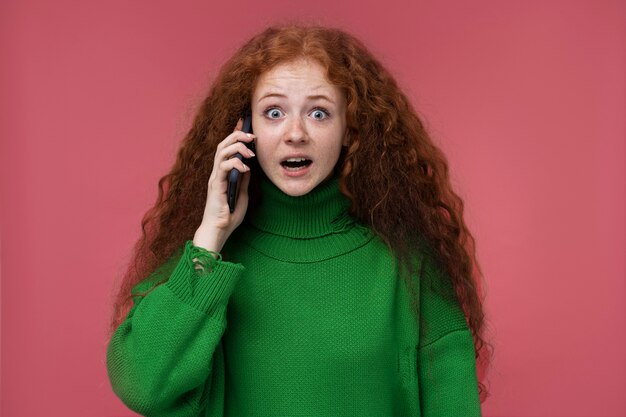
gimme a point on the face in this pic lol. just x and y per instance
(299, 121)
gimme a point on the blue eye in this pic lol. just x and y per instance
(322, 110)
(274, 113)
(273, 109)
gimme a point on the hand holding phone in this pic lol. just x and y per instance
(219, 218)
(234, 175)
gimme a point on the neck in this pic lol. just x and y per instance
(320, 212)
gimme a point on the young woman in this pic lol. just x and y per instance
(341, 285)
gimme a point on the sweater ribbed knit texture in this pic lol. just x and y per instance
(306, 315)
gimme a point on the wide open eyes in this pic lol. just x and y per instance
(274, 112)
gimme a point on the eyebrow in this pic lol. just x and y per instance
(314, 97)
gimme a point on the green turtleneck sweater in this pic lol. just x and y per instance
(305, 316)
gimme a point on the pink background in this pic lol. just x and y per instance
(527, 99)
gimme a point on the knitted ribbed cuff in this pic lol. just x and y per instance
(209, 289)
(206, 259)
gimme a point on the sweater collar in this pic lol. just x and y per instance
(323, 211)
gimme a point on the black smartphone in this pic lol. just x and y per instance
(234, 177)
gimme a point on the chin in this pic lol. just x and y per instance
(296, 186)
(296, 190)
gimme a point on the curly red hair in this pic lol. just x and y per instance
(395, 176)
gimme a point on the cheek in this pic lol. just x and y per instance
(266, 143)
(263, 153)
(333, 150)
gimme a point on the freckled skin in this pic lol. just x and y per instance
(295, 124)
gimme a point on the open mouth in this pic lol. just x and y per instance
(295, 164)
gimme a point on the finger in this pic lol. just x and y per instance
(219, 179)
(234, 137)
(231, 150)
(239, 124)
(227, 165)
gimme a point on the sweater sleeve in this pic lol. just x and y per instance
(446, 358)
(161, 359)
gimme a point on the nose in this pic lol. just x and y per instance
(296, 131)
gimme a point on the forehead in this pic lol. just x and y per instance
(295, 77)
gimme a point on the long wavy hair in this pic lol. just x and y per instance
(395, 176)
